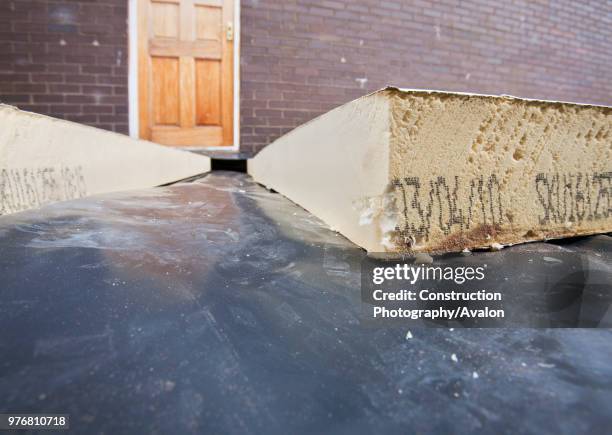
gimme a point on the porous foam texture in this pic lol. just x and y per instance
(412, 171)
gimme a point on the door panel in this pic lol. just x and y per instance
(186, 72)
(165, 17)
(208, 92)
(209, 24)
(165, 90)
(187, 136)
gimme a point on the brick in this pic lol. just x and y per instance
(65, 109)
(14, 77)
(29, 67)
(80, 59)
(479, 47)
(49, 98)
(80, 78)
(63, 68)
(96, 108)
(111, 118)
(104, 79)
(96, 69)
(64, 88)
(15, 99)
(80, 99)
(46, 78)
(84, 119)
(49, 65)
(37, 108)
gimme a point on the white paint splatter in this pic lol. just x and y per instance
(169, 385)
(496, 246)
(546, 366)
(362, 81)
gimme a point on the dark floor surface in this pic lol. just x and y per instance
(219, 307)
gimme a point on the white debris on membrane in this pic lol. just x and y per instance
(408, 335)
(387, 227)
(496, 246)
(454, 357)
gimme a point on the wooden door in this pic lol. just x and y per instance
(185, 71)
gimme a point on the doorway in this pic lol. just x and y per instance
(186, 75)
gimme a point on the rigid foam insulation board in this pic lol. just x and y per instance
(410, 171)
(44, 160)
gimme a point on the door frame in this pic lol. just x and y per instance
(133, 76)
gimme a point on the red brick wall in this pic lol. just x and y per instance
(302, 57)
(67, 59)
